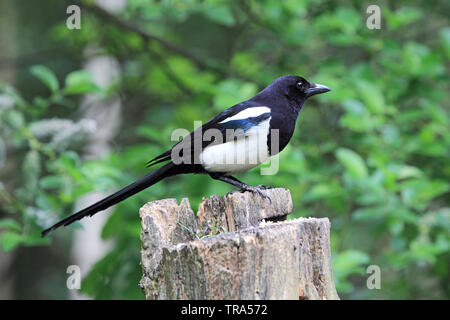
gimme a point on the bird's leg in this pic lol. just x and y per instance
(239, 184)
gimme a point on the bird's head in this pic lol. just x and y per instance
(295, 88)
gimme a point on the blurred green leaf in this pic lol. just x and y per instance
(13, 118)
(401, 17)
(10, 224)
(219, 13)
(10, 240)
(350, 261)
(51, 182)
(231, 92)
(370, 213)
(405, 172)
(78, 82)
(346, 263)
(445, 38)
(46, 76)
(353, 162)
(418, 192)
(372, 97)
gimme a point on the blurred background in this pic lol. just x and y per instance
(82, 110)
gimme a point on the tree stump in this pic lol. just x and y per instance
(238, 246)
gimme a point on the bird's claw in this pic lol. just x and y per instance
(258, 191)
(261, 186)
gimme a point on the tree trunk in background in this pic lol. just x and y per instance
(88, 247)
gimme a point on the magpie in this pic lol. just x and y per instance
(238, 139)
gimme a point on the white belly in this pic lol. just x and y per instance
(239, 155)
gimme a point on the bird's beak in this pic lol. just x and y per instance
(316, 88)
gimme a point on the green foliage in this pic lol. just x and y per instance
(372, 155)
(348, 262)
(78, 82)
(46, 76)
(47, 178)
(352, 162)
(10, 240)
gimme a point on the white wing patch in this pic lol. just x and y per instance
(248, 113)
(239, 155)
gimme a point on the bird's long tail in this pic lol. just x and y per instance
(145, 182)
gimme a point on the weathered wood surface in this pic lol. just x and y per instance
(230, 252)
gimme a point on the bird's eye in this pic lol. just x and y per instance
(299, 85)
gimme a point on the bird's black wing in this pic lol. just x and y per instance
(214, 123)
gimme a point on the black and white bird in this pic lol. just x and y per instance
(238, 139)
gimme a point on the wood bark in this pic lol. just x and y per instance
(238, 246)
